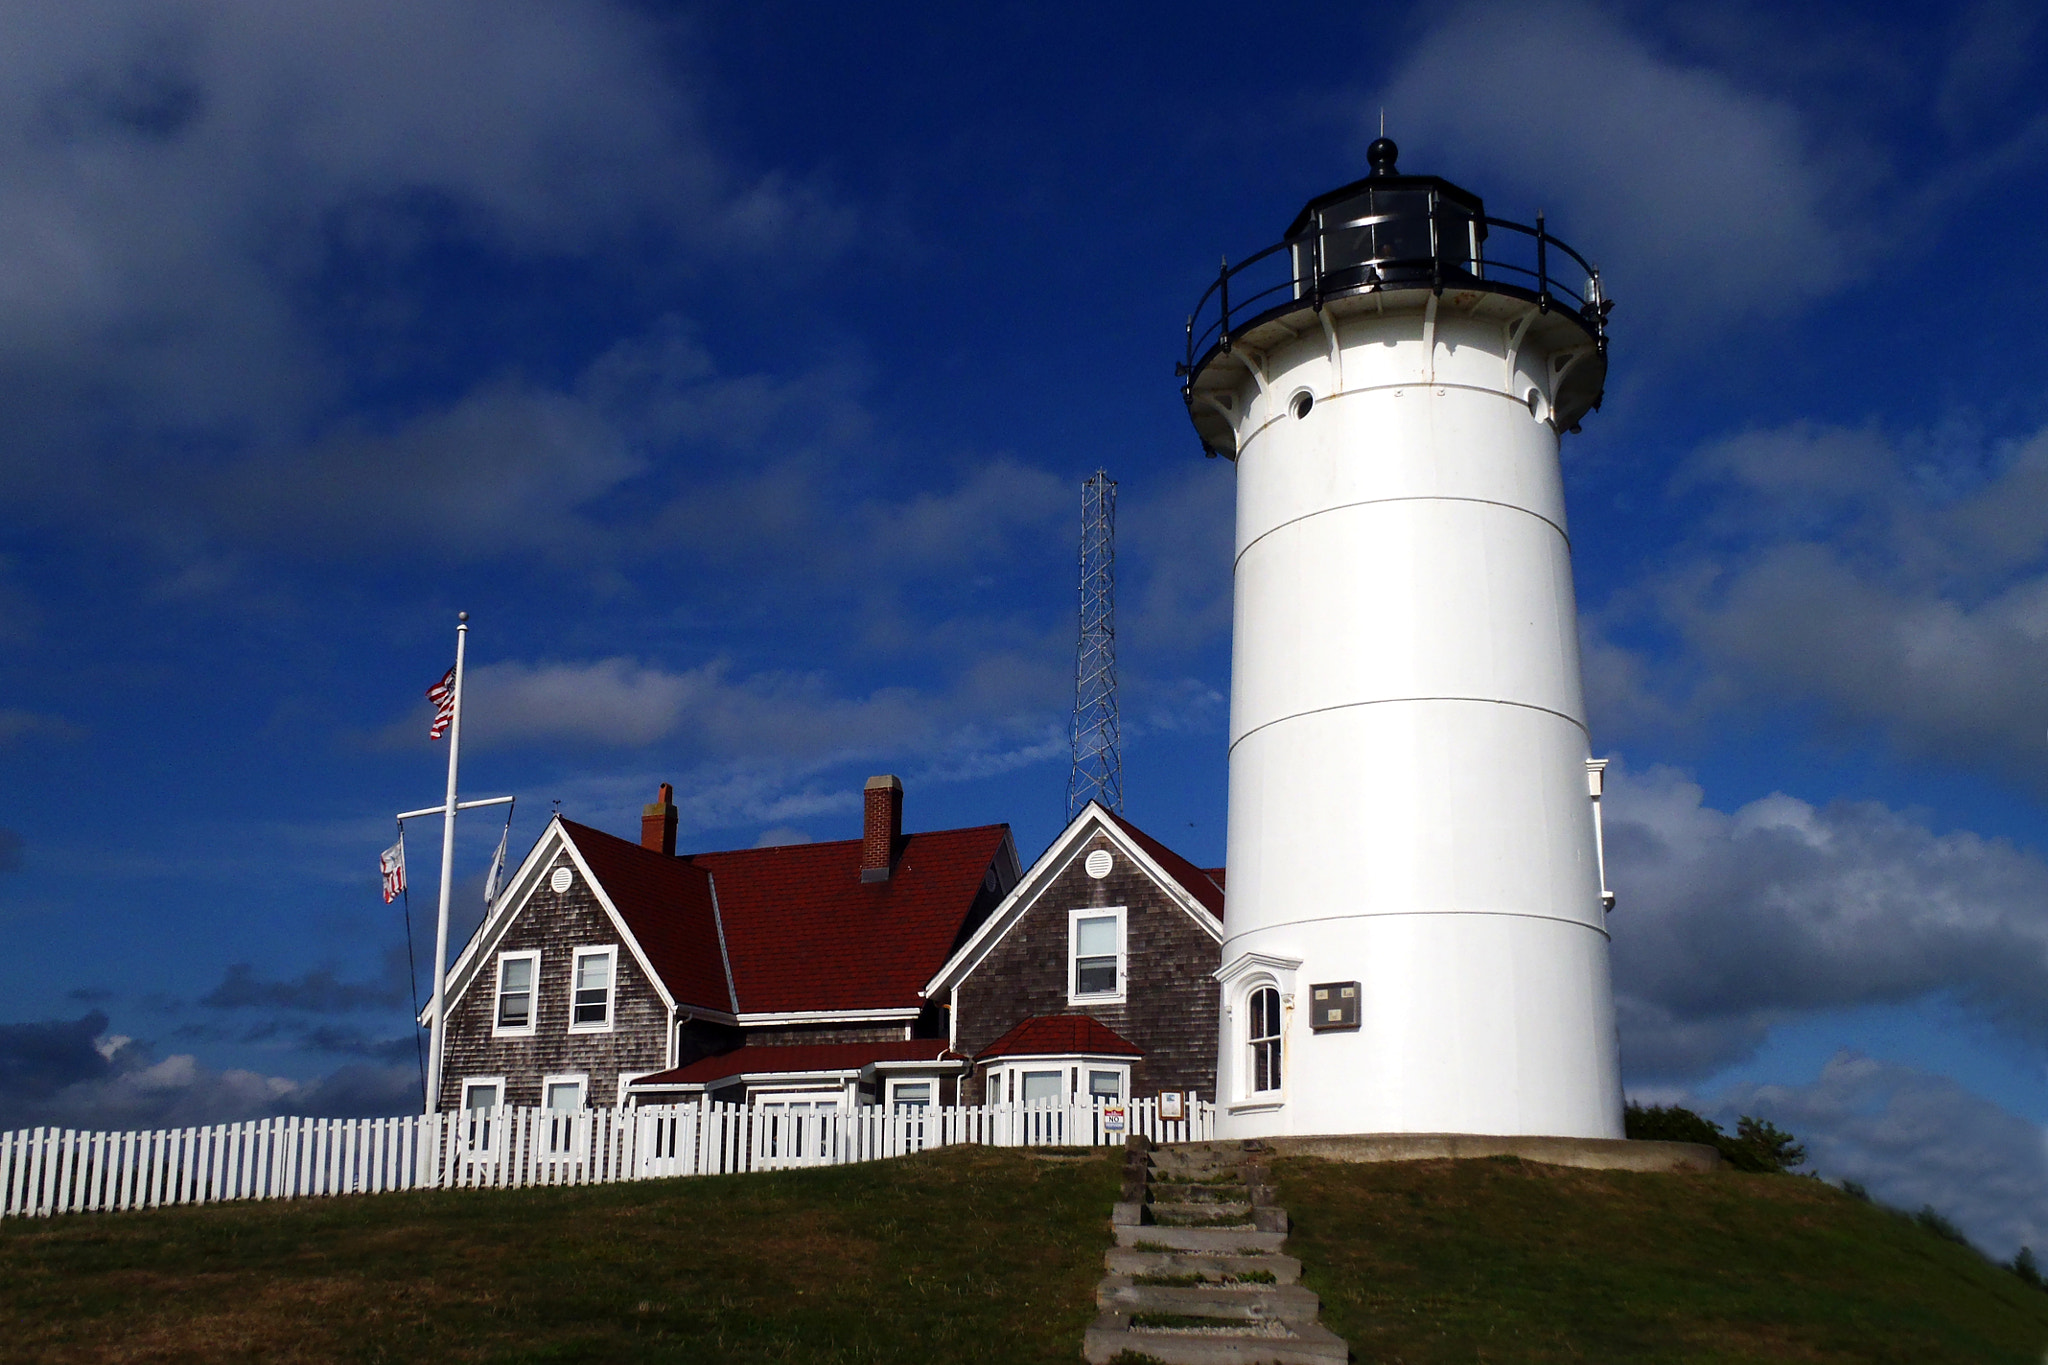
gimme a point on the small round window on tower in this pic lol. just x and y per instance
(1301, 403)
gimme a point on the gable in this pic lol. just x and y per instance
(1072, 844)
(668, 907)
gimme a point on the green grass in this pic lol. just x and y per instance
(948, 1256)
(1508, 1261)
(973, 1254)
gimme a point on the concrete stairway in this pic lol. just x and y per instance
(1197, 1276)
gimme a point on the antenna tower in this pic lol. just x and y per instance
(1098, 773)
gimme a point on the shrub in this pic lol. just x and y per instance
(1855, 1190)
(2027, 1268)
(1669, 1123)
(1758, 1145)
(1937, 1223)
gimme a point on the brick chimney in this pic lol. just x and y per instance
(881, 828)
(658, 823)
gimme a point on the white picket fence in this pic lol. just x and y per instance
(49, 1170)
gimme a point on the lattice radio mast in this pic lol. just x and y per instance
(1098, 773)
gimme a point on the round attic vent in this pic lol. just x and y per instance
(1098, 863)
(560, 881)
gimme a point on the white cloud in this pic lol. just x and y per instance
(1729, 923)
(77, 1074)
(1900, 581)
(180, 179)
(1695, 194)
(1915, 1140)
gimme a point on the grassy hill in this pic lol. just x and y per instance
(979, 1255)
(1504, 1260)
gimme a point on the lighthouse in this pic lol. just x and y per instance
(1415, 936)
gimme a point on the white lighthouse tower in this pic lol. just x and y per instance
(1415, 938)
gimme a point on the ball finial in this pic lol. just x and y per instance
(1381, 155)
(462, 616)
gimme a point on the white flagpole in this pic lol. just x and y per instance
(447, 875)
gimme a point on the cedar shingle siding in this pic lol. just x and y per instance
(1169, 1006)
(557, 925)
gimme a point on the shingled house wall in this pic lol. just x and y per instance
(557, 924)
(1170, 997)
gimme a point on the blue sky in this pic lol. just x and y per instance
(737, 368)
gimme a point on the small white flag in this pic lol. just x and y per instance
(494, 882)
(392, 860)
(442, 694)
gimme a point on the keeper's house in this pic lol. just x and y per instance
(897, 969)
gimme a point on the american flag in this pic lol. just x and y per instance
(442, 694)
(392, 860)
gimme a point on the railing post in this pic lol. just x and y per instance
(1542, 265)
(1436, 250)
(1223, 286)
(1315, 258)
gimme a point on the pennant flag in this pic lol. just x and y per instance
(493, 882)
(392, 860)
(442, 694)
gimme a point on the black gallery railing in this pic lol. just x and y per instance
(1442, 249)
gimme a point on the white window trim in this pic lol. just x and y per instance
(1123, 1079)
(1073, 1067)
(801, 1095)
(533, 990)
(470, 1145)
(610, 951)
(1123, 974)
(581, 1078)
(895, 1083)
(564, 1133)
(1247, 1099)
(468, 1081)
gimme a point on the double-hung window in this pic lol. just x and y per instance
(1262, 1033)
(480, 1101)
(590, 984)
(563, 1096)
(518, 974)
(1096, 958)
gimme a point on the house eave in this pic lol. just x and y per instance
(895, 1014)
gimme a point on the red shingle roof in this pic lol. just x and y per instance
(667, 904)
(1198, 883)
(802, 931)
(805, 933)
(1059, 1035)
(798, 1058)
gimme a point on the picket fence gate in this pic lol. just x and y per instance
(49, 1170)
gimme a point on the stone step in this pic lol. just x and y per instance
(1289, 1302)
(1200, 1215)
(1125, 1261)
(1164, 1191)
(1214, 1241)
(1303, 1343)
